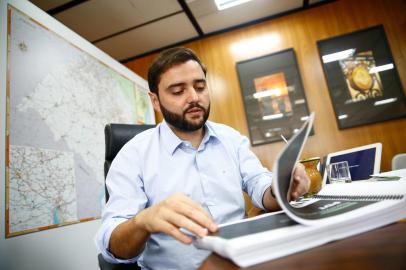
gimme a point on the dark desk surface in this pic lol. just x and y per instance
(383, 248)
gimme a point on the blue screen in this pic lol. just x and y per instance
(361, 163)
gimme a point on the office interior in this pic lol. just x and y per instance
(72, 246)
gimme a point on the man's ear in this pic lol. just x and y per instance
(155, 101)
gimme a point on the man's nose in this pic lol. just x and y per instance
(192, 95)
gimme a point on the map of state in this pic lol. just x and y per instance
(60, 99)
(43, 188)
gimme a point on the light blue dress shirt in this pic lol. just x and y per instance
(156, 164)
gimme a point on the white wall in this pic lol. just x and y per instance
(69, 247)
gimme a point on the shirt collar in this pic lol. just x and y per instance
(210, 133)
(171, 142)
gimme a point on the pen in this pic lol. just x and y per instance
(385, 178)
(284, 139)
(353, 166)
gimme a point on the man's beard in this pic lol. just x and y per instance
(180, 122)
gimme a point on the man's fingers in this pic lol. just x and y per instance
(194, 211)
(301, 185)
(200, 216)
(181, 221)
(188, 201)
(175, 213)
(301, 182)
(173, 231)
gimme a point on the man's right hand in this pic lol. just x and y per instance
(177, 211)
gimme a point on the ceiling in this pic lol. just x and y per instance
(128, 29)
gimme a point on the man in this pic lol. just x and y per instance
(187, 174)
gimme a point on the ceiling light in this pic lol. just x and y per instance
(223, 4)
(338, 55)
(385, 101)
(272, 116)
(299, 101)
(304, 118)
(257, 44)
(267, 93)
(381, 68)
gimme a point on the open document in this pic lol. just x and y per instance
(334, 214)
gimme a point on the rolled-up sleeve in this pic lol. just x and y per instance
(103, 238)
(255, 177)
(126, 200)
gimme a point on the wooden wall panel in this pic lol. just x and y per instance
(301, 31)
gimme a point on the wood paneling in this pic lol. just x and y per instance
(301, 31)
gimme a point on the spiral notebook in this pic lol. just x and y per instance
(372, 190)
(342, 202)
(339, 199)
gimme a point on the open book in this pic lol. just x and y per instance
(339, 211)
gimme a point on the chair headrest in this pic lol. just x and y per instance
(116, 135)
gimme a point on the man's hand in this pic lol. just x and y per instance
(178, 211)
(300, 184)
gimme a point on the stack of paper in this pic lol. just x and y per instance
(341, 210)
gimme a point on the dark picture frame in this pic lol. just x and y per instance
(274, 100)
(362, 78)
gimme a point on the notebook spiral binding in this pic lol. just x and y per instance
(360, 198)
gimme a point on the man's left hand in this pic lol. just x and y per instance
(300, 184)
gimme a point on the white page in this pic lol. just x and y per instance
(367, 188)
(401, 173)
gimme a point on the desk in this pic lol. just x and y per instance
(383, 248)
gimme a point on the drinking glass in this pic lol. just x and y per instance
(339, 172)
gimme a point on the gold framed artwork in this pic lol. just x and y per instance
(362, 77)
(274, 100)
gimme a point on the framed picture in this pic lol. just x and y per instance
(274, 100)
(362, 78)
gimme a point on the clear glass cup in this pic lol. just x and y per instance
(339, 172)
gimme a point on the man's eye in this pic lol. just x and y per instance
(200, 87)
(177, 92)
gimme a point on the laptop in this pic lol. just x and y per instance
(363, 161)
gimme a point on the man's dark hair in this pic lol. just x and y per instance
(168, 59)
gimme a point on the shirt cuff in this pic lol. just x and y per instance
(103, 239)
(261, 186)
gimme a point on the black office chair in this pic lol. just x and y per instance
(116, 135)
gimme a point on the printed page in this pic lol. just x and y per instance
(365, 188)
(400, 173)
(321, 209)
(256, 225)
